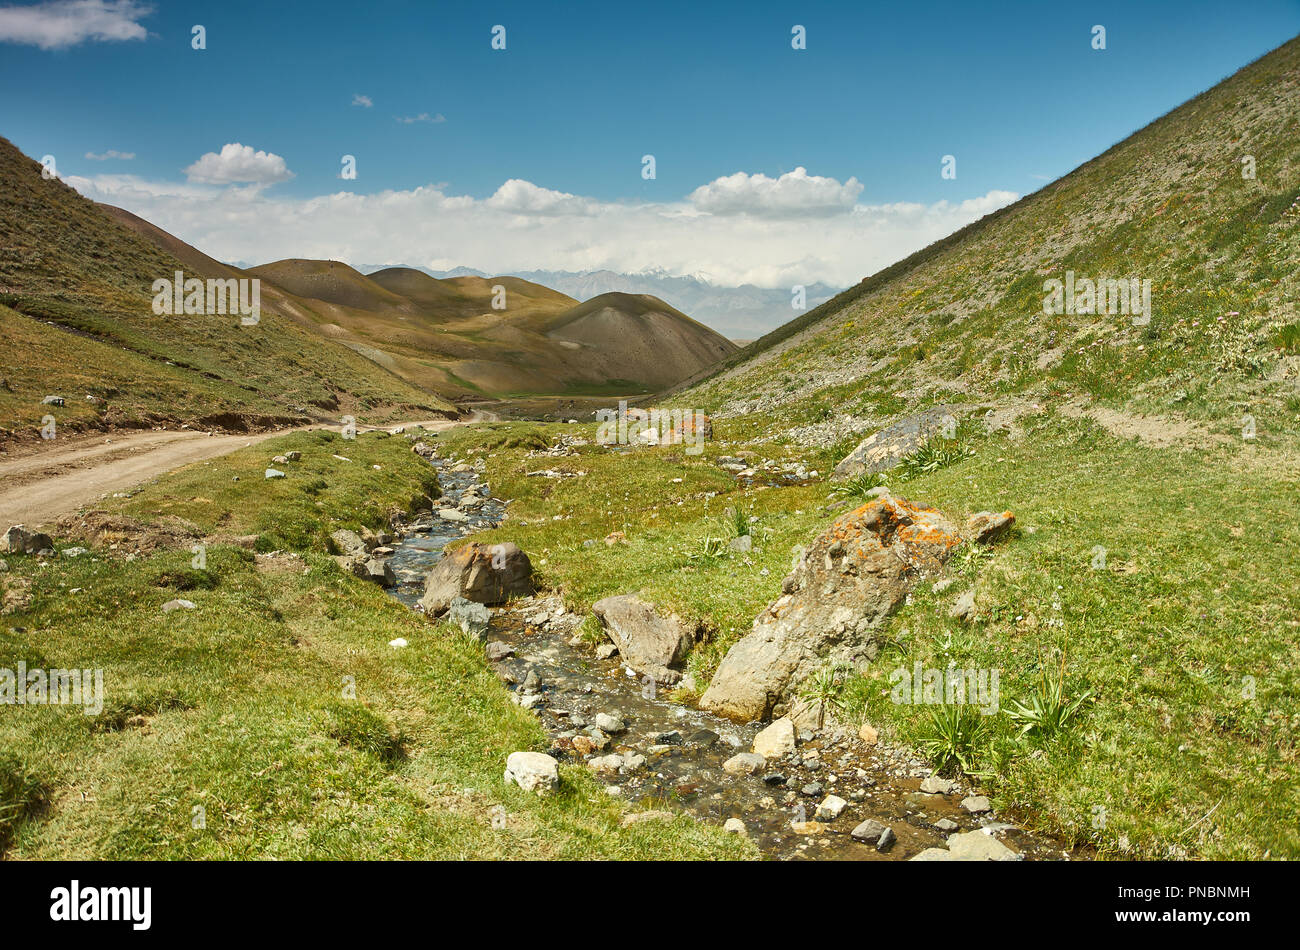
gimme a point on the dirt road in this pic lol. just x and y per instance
(41, 487)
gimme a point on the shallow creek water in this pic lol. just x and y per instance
(567, 686)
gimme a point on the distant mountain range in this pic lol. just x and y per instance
(738, 313)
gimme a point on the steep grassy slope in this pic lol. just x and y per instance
(964, 318)
(1153, 467)
(76, 321)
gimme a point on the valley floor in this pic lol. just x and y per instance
(1179, 642)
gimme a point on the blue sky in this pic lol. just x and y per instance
(582, 91)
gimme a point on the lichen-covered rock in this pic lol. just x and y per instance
(484, 573)
(842, 590)
(988, 527)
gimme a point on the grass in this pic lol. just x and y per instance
(377, 476)
(1147, 719)
(274, 720)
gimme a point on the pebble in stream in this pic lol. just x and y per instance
(832, 797)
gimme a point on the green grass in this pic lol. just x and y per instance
(319, 494)
(1159, 644)
(274, 720)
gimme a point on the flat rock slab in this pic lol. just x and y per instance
(887, 448)
(648, 641)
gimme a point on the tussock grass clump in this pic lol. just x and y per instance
(119, 714)
(361, 728)
(22, 796)
(859, 486)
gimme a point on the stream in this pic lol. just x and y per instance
(672, 755)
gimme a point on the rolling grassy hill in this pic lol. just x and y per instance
(453, 336)
(76, 321)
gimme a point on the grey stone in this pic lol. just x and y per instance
(886, 449)
(648, 642)
(976, 804)
(375, 570)
(936, 786)
(978, 846)
(18, 540)
(349, 543)
(875, 833)
(963, 607)
(776, 740)
(610, 724)
(989, 527)
(830, 808)
(533, 772)
(745, 763)
(472, 618)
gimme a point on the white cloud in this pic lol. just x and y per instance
(58, 24)
(360, 100)
(795, 194)
(422, 117)
(239, 163)
(523, 197)
(111, 153)
(523, 226)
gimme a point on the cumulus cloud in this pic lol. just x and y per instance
(111, 153)
(59, 24)
(524, 226)
(795, 194)
(523, 197)
(363, 101)
(422, 117)
(239, 163)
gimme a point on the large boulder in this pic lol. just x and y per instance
(840, 593)
(887, 448)
(484, 573)
(647, 641)
(18, 540)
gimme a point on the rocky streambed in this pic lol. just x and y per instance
(829, 793)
